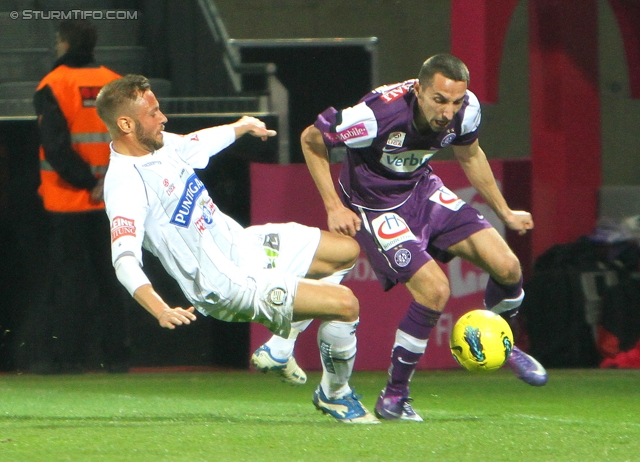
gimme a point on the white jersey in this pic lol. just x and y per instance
(157, 201)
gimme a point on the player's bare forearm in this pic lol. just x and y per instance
(477, 169)
(339, 218)
(167, 317)
(317, 159)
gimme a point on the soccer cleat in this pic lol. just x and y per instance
(396, 408)
(527, 368)
(346, 409)
(287, 369)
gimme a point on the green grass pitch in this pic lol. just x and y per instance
(580, 415)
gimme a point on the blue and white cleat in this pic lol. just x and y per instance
(347, 409)
(396, 408)
(287, 369)
(527, 368)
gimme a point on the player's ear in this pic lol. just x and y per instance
(416, 88)
(125, 124)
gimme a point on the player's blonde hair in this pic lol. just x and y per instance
(117, 98)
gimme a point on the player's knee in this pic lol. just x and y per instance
(435, 295)
(439, 293)
(347, 304)
(350, 251)
(509, 271)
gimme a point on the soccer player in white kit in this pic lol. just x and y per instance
(272, 274)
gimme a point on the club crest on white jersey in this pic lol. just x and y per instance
(447, 198)
(390, 230)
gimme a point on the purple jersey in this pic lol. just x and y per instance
(386, 155)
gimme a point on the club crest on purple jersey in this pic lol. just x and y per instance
(447, 140)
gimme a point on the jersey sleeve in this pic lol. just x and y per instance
(127, 206)
(196, 148)
(355, 127)
(470, 121)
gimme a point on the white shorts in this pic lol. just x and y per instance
(282, 255)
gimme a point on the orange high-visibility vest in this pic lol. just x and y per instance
(76, 89)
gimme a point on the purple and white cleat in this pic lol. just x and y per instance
(527, 368)
(390, 407)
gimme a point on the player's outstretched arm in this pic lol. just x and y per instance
(167, 317)
(340, 219)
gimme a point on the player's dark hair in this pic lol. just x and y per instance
(118, 96)
(80, 34)
(445, 64)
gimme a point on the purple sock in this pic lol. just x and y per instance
(417, 322)
(496, 292)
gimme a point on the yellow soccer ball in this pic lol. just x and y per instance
(481, 341)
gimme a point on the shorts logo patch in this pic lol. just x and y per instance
(271, 247)
(277, 296)
(402, 258)
(272, 241)
(121, 226)
(390, 230)
(447, 198)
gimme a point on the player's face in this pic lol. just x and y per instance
(439, 101)
(149, 122)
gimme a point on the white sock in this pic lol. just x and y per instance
(282, 348)
(337, 343)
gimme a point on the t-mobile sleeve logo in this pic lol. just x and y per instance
(356, 131)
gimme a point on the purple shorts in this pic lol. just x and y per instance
(399, 242)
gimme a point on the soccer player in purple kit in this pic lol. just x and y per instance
(405, 218)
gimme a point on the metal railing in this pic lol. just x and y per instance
(276, 97)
